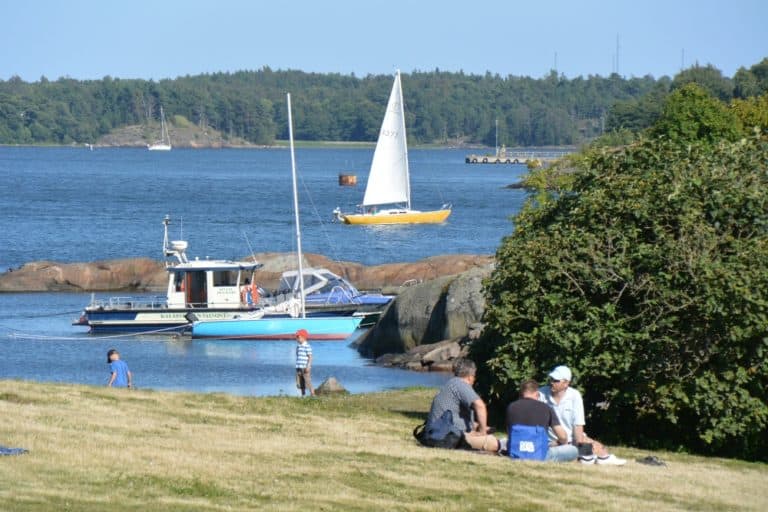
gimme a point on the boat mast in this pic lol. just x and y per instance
(296, 206)
(163, 128)
(405, 143)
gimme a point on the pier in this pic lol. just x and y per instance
(504, 156)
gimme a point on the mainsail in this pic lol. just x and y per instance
(388, 181)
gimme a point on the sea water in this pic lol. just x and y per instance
(76, 205)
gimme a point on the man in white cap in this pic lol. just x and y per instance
(569, 406)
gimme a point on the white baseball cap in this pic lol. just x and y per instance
(560, 373)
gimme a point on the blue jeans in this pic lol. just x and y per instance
(562, 453)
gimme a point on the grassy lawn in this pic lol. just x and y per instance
(98, 449)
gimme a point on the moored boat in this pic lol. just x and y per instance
(260, 325)
(211, 288)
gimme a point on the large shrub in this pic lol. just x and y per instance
(649, 279)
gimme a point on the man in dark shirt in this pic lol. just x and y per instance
(528, 410)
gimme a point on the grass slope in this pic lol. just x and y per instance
(95, 449)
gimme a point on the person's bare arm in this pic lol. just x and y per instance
(578, 434)
(481, 415)
(112, 379)
(562, 435)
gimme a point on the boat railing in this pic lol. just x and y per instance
(155, 302)
(340, 295)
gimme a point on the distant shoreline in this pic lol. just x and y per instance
(283, 144)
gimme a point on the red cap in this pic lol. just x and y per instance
(303, 333)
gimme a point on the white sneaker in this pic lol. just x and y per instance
(587, 459)
(611, 460)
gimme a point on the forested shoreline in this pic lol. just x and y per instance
(449, 108)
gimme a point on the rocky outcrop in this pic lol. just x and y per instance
(433, 357)
(144, 274)
(45, 276)
(440, 309)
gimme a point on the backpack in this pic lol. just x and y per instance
(528, 442)
(439, 434)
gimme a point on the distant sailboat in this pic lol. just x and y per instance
(389, 178)
(165, 143)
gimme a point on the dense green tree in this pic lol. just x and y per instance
(708, 78)
(646, 276)
(751, 82)
(691, 114)
(753, 113)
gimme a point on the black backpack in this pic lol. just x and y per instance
(440, 434)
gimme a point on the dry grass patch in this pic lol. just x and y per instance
(99, 448)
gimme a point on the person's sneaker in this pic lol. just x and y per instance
(611, 460)
(587, 459)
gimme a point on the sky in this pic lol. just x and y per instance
(156, 39)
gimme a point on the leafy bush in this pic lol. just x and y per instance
(649, 279)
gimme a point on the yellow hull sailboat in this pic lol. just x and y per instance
(389, 179)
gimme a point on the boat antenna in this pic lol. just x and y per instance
(253, 255)
(296, 205)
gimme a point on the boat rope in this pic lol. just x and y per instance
(332, 247)
(18, 334)
(44, 315)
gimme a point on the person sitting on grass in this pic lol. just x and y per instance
(464, 412)
(528, 422)
(569, 406)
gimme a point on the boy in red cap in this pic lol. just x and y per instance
(303, 363)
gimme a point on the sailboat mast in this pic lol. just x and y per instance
(405, 143)
(296, 205)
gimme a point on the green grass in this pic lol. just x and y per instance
(95, 448)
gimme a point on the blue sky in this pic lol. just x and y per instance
(90, 39)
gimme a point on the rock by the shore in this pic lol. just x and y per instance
(440, 309)
(433, 357)
(330, 386)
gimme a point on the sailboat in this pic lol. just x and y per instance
(165, 143)
(263, 325)
(389, 180)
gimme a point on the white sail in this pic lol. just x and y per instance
(165, 143)
(388, 181)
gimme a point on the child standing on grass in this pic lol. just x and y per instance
(120, 376)
(303, 363)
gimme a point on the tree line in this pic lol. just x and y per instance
(441, 107)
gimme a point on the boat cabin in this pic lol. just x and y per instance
(205, 283)
(209, 283)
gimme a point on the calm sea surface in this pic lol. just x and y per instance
(73, 205)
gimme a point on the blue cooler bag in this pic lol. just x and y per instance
(528, 442)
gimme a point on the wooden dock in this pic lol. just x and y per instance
(504, 156)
